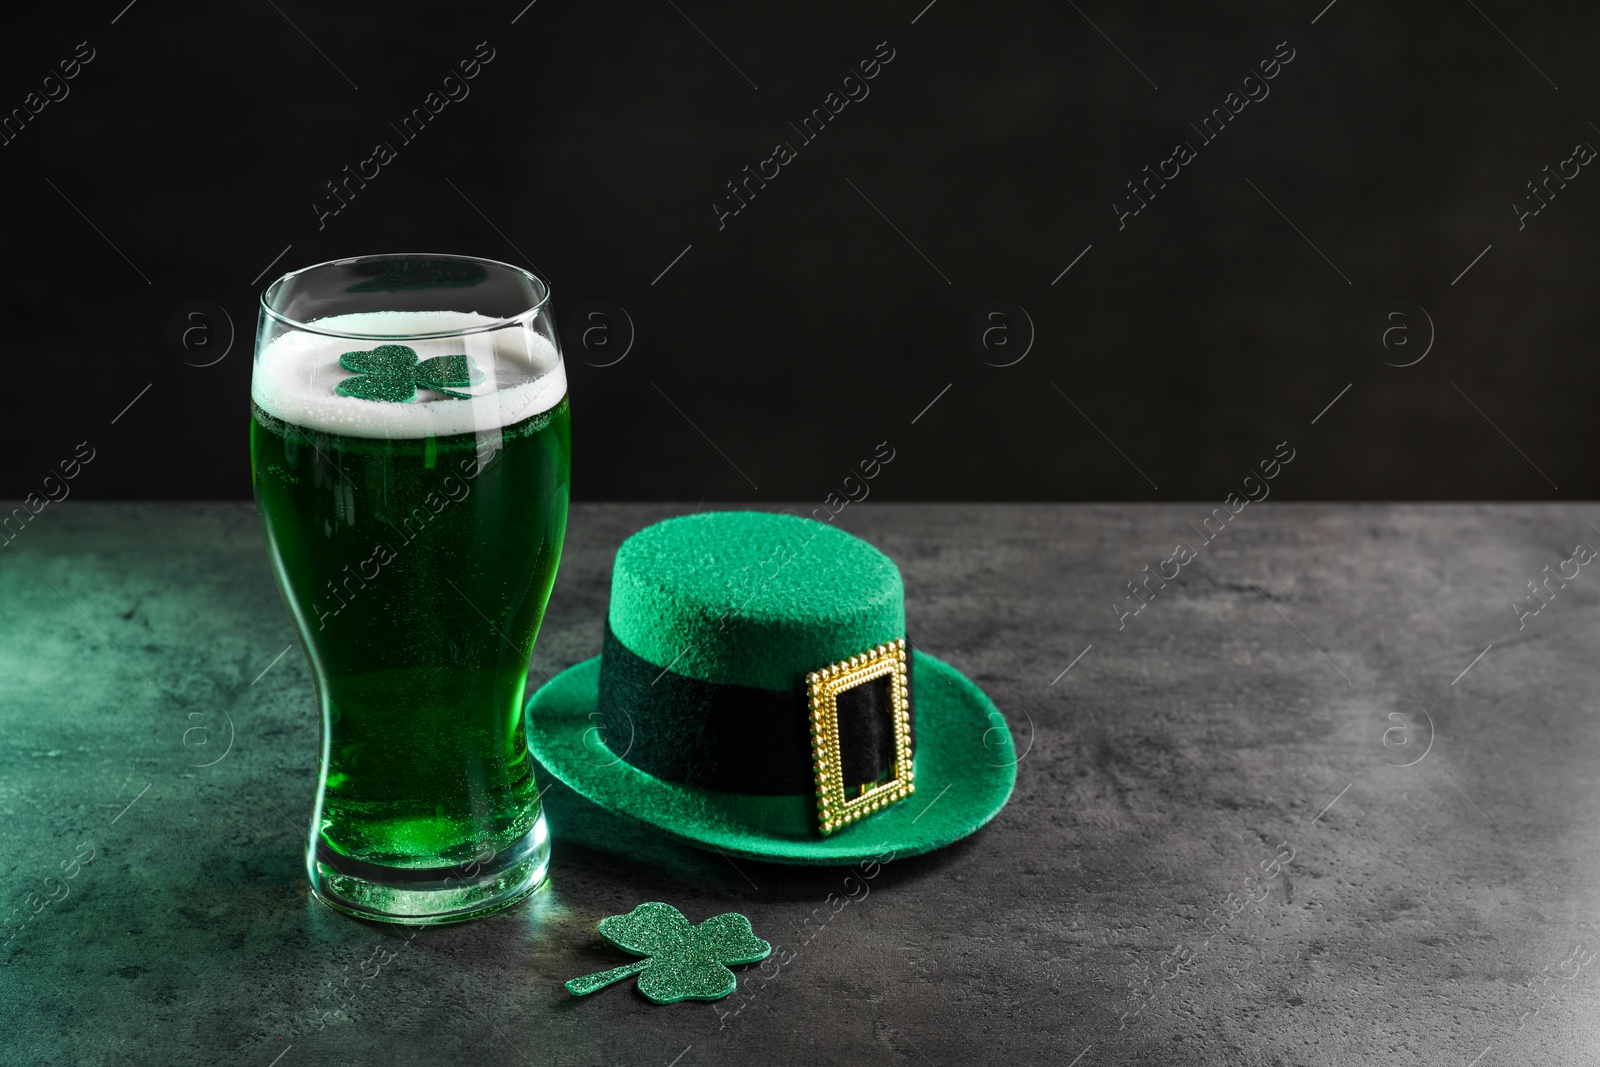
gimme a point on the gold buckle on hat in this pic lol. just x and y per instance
(834, 809)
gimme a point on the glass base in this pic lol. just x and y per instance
(432, 896)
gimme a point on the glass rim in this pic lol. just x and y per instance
(498, 324)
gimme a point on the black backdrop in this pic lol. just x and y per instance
(776, 348)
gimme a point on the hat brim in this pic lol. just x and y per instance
(965, 761)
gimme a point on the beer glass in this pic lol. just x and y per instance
(410, 451)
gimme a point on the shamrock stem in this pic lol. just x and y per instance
(590, 982)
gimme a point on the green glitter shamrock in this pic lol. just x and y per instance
(392, 373)
(682, 962)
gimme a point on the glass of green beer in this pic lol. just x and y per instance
(410, 450)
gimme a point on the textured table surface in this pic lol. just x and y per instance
(1215, 853)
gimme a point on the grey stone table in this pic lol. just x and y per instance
(1292, 812)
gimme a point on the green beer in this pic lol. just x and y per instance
(415, 540)
(407, 564)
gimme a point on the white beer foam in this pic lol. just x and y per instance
(296, 373)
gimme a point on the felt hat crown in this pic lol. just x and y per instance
(756, 693)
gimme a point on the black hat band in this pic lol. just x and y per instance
(742, 739)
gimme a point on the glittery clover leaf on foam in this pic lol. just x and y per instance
(682, 962)
(392, 373)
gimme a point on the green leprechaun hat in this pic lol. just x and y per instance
(756, 694)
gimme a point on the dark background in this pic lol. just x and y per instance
(190, 150)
